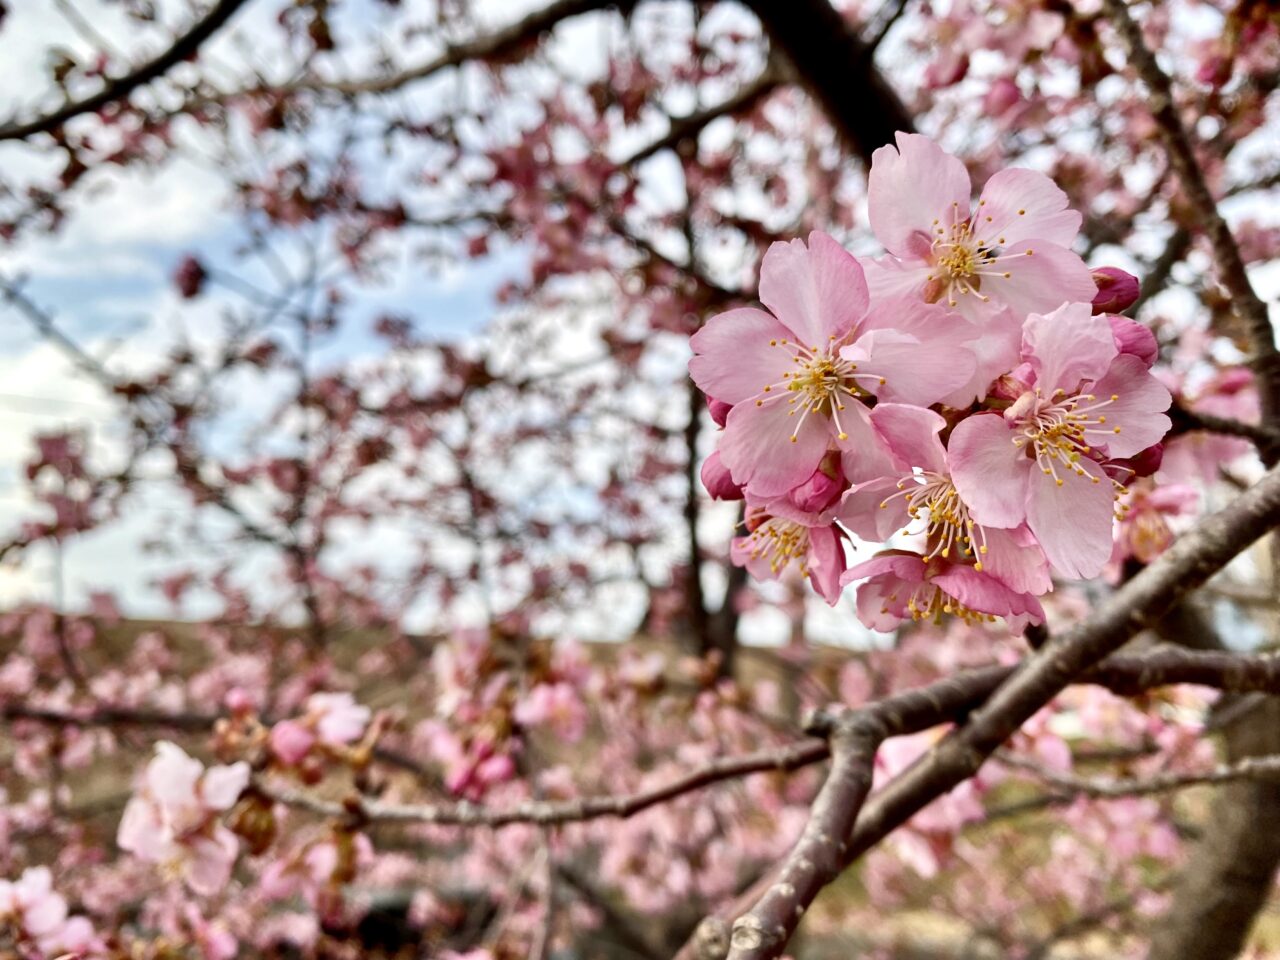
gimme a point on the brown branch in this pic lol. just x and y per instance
(816, 858)
(838, 69)
(501, 43)
(1063, 659)
(1113, 788)
(686, 128)
(548, 813)
(183, 48)
(1252, 310)
(1186, 420)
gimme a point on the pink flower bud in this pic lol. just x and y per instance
(716, 478)
(1117, 290)
(1002, 95)
(822, 489)
(719, 410)
(1143, 463)
(238, 700)
(1134, 339)
(1013, 384)
(290, 742)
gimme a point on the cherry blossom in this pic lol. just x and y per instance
(797, 377)
(1041, 460)
(173, 819)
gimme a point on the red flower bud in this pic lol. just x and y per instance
(189, 277)
(716, 478)
(1117, 290)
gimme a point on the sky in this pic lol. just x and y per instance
(106, 278)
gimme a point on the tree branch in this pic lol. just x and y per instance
(1226, 253)
(838, 69)
(1193, 559)
(183, 48)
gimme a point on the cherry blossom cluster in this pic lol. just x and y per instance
(972, 389)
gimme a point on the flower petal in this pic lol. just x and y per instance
(758, 449)
(1135, 419)
(818, 291)
(733, 356)
(989, 472)
(1072, 520)
(1048, 277)
(986, 594)
(1018, 205)
(911, 187)
(1067, 347)
(911, 433)
(915, 371)
(826, 562)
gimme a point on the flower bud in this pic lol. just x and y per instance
(823, 488)
(716, 478)
(1145, 462)
(1117, 290)
(1012, 385)
(291, 741)
(719, 410)
(189, 277)
(1134, 339)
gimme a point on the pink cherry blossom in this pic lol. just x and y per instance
(173, 817)
(34, 915)
(1040, 462)
(337, 718)
(1117, 290)
(291, 741)
(999, 261)
(779, 533)
(905, 586)
(924, 500)
(797, 377)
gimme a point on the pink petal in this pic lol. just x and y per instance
(1137, 411)
(826, 562)
(861, 512)
(1015, 558)
(995, 353)
(986, 594)
(911, 187)
(222, 786)
(1072, 521)
(892, 279)
(911, 433)
(875, 610)
(908, 567)
(915, 371)
(817, 291)
(759, 452)
(989, 472)
(864, 455)
(733, 356)
(1019, 205)
(1050, 276)
(172, 775)
(1133, 338)
(1067, 347)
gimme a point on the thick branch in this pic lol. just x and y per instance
(1193, 559)
(838, 69)
(183, 48)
